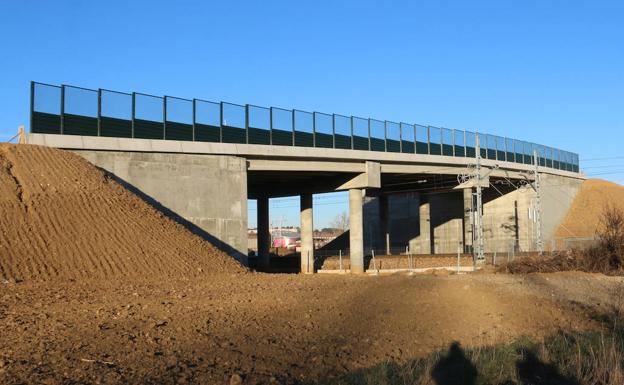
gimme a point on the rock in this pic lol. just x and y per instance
(160, 322)
(236, 379)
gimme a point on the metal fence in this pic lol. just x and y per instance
(70, 110)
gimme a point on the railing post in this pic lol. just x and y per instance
(165, 117)
(429, 140)
(32, 104)
(62, 108)
(99, 113)
(133, 113)
(246, 123)
(221, 122)
(270, 125)
(369, 135)
(194, 115)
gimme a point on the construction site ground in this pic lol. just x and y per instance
(267, 328)
(99, 287)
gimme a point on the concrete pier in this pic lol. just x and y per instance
(424, 214)
(307, 229)
(384, 213)
(264, 235)
(356, 231)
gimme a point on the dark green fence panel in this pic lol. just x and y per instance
(447, 142)
(259, 136)
(377, 144)
(342, 132)
(393, 145)
(207, 118)
(435, 141)
(360, 133)
(323, 130)
(408, 147)
(234, 135)
(80, 125)
(459, 143)
(115, 128)
(422, 139)
(178, 131)
(282, 138)
(377, 135)
(323, 140)
(360, 143)
(408, 138)
(258, 125)
(44, 123)
(282, 127)
(207, 133)
(342, 141)
(393, 136)
(147, 129)
(304, 139)
(304, 128)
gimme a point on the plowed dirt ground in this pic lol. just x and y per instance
(97, 287)
(268, 328)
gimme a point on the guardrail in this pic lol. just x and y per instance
(71, 110)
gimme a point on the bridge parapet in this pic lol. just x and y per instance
(69, 110)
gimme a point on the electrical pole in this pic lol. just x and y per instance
(480, 257)
(538, 202)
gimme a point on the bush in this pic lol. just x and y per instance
(606, 256)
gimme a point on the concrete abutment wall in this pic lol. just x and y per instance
(207, 191)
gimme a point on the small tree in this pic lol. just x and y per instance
(607, 256)
(341, 221)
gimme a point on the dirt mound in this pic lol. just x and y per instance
(63, 217)
(584, 215)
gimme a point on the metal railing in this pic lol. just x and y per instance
(71, 110)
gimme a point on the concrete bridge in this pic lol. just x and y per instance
(403, 192)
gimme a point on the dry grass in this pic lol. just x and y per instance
(590, 358)
(606, 256)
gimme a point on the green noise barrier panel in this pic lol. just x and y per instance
(178, 131)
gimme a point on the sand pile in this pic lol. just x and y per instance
(583, 217)
(63, 217)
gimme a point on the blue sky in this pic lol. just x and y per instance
(550, 72)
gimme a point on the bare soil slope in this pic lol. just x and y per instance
(583, 217)
(63, 217)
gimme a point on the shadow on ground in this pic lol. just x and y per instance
(455, 367)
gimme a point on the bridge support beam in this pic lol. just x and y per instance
(424, 213)
(356, 231)
(307, 229)
(264, 234)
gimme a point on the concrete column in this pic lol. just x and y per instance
(264, 235)
(384, 213)
(356, 230)
(467, 220)
(424, 212)
(307, 229)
